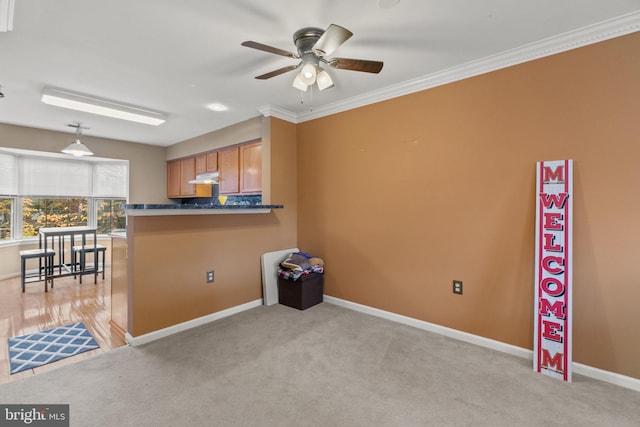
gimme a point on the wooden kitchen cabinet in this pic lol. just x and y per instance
(206, 163)
(229, 169)
(212, 162)
(240, 169)
(201, 164)
(251, 168)
(173, 179)
(179, 173)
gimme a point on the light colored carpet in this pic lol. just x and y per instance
(326, 366)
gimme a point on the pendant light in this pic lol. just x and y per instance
(77, 148)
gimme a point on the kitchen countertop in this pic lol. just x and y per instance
(150, 209)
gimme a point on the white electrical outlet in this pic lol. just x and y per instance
(457, 287)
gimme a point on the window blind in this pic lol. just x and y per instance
(8, 175)
(38, 174)
(110, 180)
(53, 177)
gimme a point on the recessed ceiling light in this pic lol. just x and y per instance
(216, 107)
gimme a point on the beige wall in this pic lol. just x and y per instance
(147, 170)
(147, 167)
(404, 196)
(248, 130)
(173, 253)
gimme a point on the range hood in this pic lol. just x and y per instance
(206, 178)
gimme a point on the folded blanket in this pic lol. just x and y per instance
(295, 275)
(296, 262)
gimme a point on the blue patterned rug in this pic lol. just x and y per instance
(33, 350)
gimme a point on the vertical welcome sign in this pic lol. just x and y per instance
(553, 273)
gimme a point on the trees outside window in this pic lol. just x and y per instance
(44, 190)
(111, 216)
(6, 206)
(39, 213)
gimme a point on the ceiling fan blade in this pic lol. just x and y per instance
(270, 49)
(276, 72)
(331, 39)
(356, 65)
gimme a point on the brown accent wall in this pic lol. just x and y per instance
(172, 253)
(404, 196)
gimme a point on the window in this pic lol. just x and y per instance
(110, 215)
(6, 206)
(39, 213)
(52, 190)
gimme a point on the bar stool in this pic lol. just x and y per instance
(48, 265)
(82, 252)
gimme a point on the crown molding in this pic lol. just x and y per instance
(280, 113)
(616, 27)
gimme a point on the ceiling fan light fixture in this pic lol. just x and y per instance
(324, 80)
(308, 74)
(299, 84)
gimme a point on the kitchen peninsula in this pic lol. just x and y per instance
(195, 209)
(170, 250)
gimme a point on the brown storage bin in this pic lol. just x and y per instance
(303, 293)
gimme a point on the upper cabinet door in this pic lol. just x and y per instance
(228, 166)
(251, 168)
(187, 172)
(173, 179)
(212, 162)
(201, 164)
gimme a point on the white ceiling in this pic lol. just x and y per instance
(178, 56)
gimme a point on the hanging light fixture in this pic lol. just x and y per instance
(77, 148)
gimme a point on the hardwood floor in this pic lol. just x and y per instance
(68, 302)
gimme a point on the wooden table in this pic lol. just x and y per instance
(48, 237)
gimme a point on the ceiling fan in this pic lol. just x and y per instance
(313, 46)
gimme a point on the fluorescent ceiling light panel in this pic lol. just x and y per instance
(103, 107)
(6, 15)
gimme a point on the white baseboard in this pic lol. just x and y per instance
(578, 368)
(10, 276)
(161, 333)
